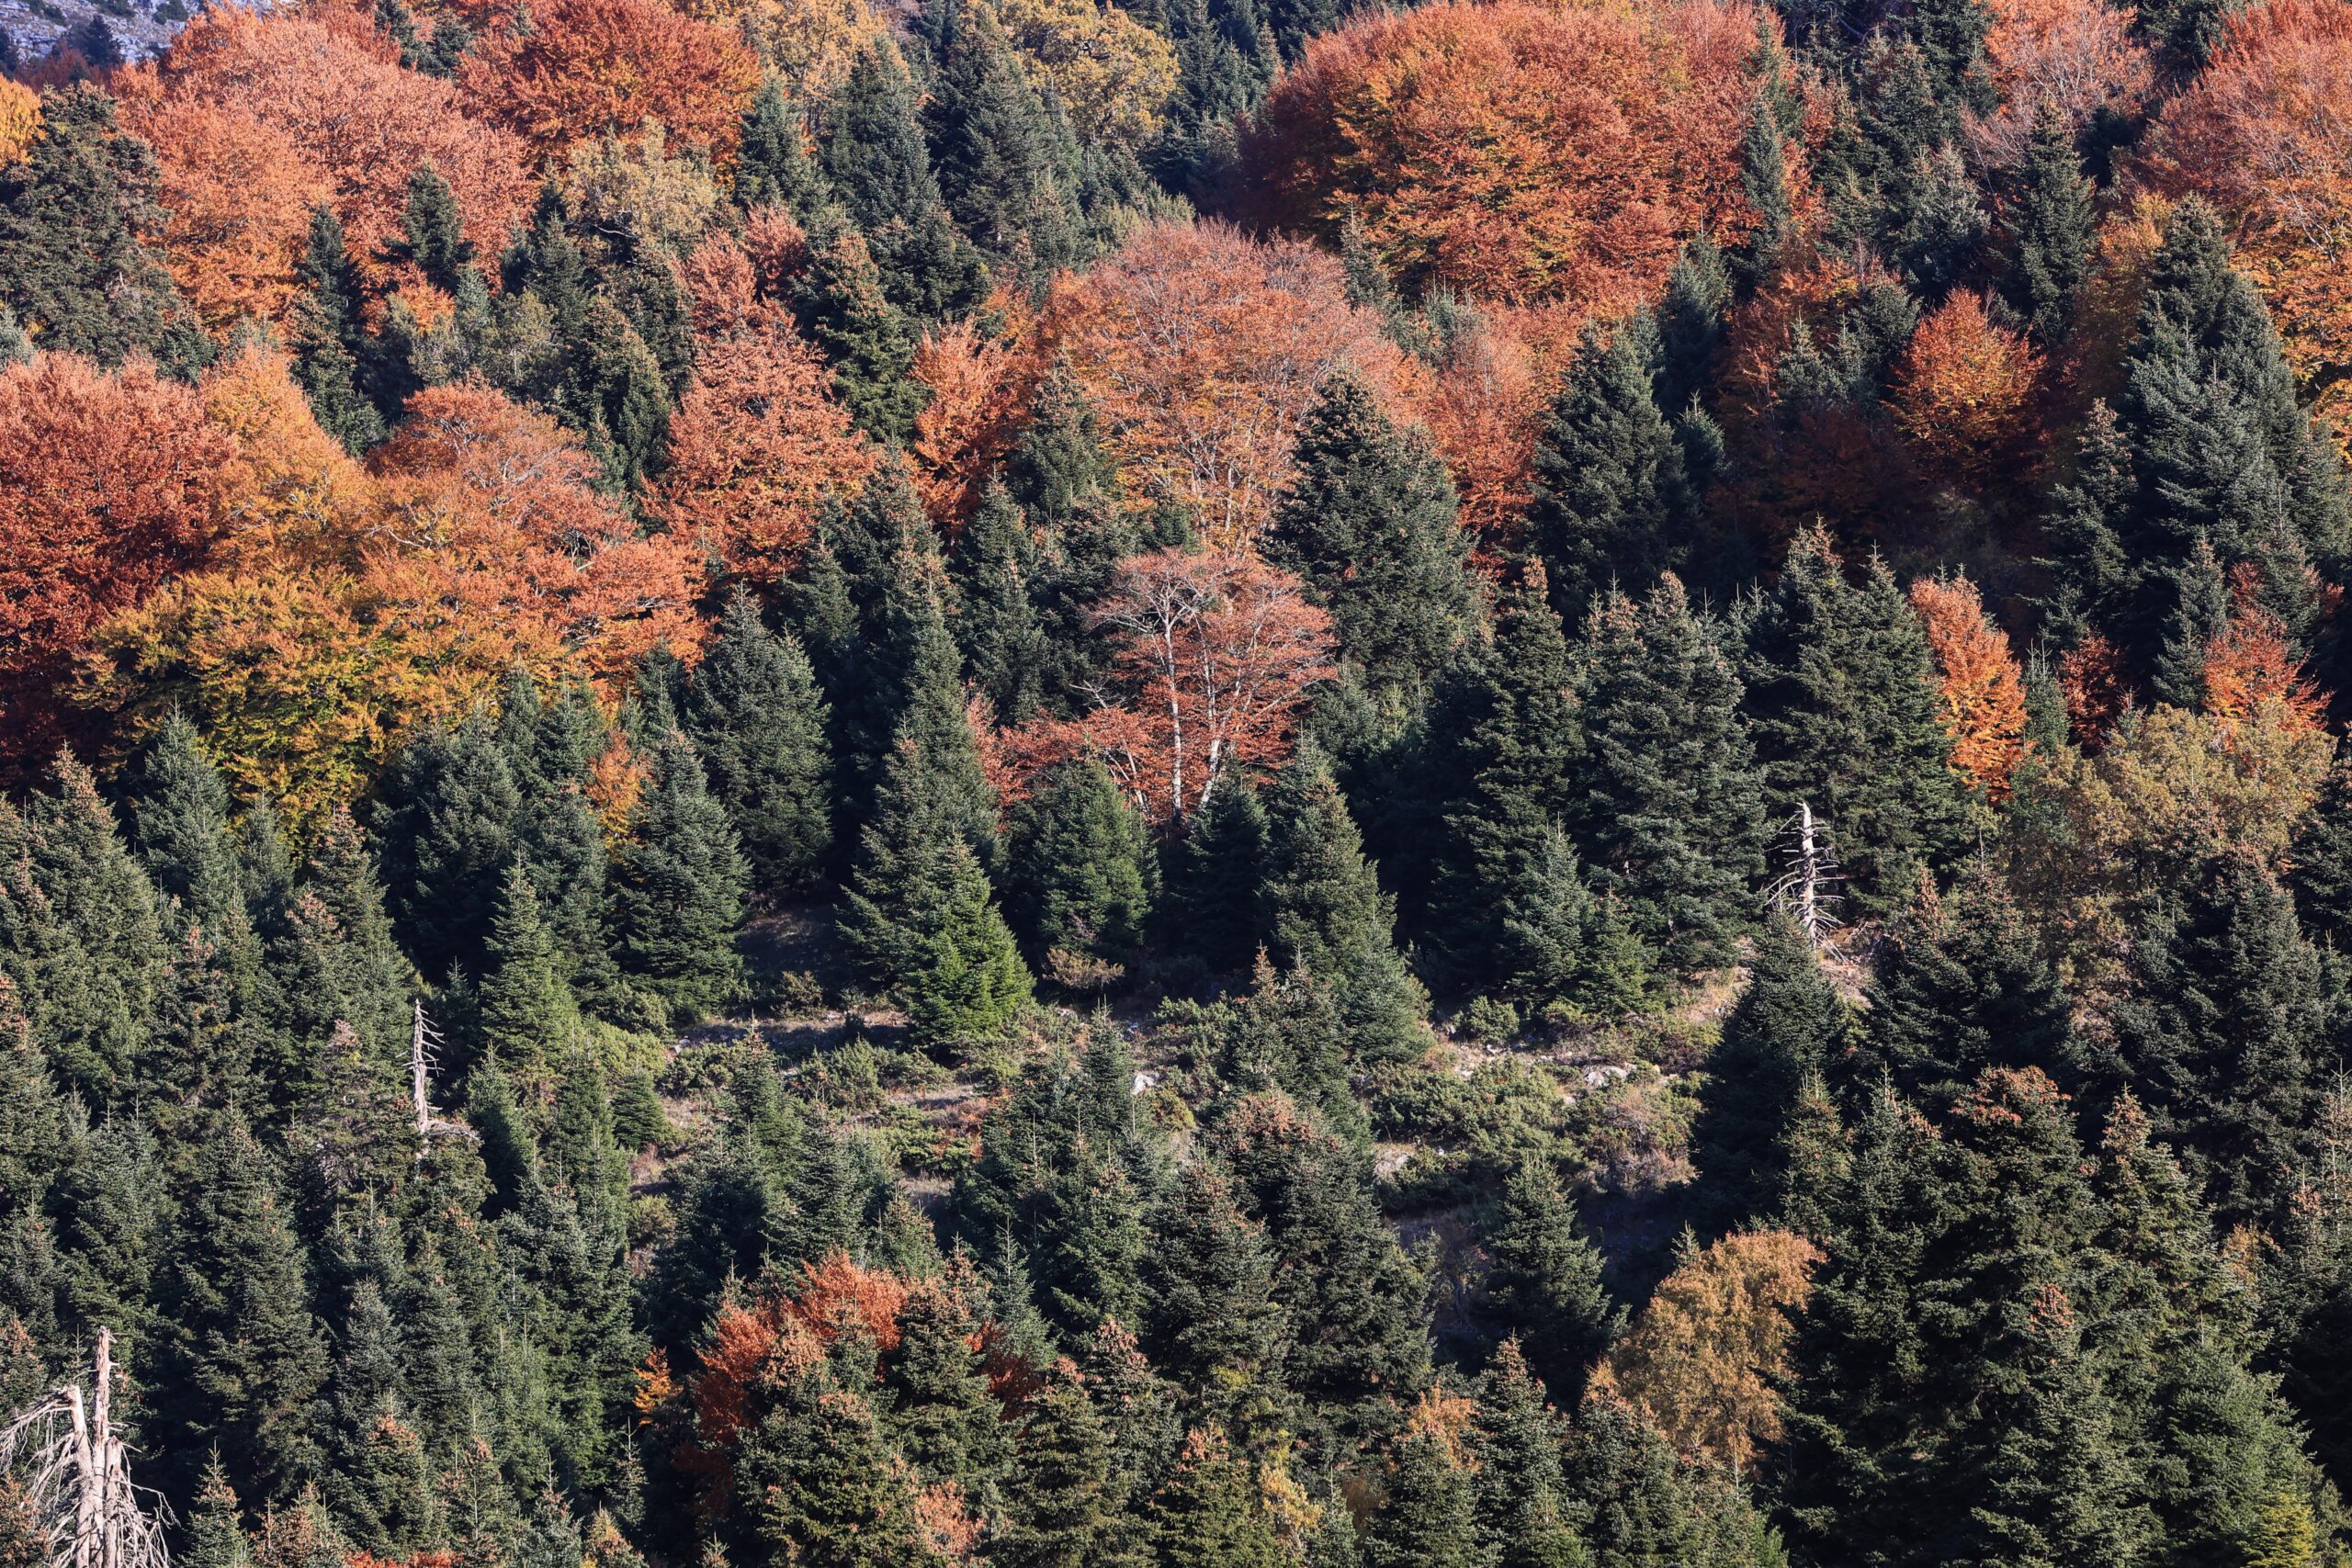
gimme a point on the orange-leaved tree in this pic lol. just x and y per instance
(1217, 654)
(1516, 151)
(580, 69)
(109, 487)
(1203, 351)
(2265, 135)
(2076, 57)
(1962, 392)
(1981, 688)
(327, 83)
(1703, 1359)
(757, 440)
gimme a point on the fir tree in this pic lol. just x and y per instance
(1789, 1022)
(876, 161)
(942, 1416)
(1526, 1517)
(1218, 904)
(524, 1011)
(238, 1355)
(432, 229)
(1691, 324)
(1543, 1278)
(1208, 1515)
(446, 828)
(1669, 812)
(773, 167)
(72, 211)
(329, 339)
(759, 724)
(970, 983)
(1064, 1512)
(1370, 521)
(2051, 224)
(1077, 877)
(1841, 703)
(180, 828)
(1221, 1335)
(1010, 180)
(678, 889)
(215, 1539)
(1328, 914)
(862, 333)
(996, 625)
(1427, 1520)
(1611, 502)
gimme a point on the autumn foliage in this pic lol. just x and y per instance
(1963, 390)
(1981, 692)
(1702, 1361)
(1203, 351)
(588, 68)
(1514, 151)
(2076, 57)
(320, 95)
(1216, 652)
(110, 486)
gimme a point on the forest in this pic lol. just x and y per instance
(1176, 784)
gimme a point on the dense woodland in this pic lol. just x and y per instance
(1150, 784)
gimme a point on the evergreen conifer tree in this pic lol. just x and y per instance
(329, 339)
(1064, 1512)
(678, 889)
(995, 624)
(1428, 1521)
(1218, 904)
(1078, 876)
(1610, 502)
(1545, 1280)
(1011, 181)
(2051, 223)
(1208, 1513)
(759, 724)
(1370, 521)
(1526, 1517)
(773, 167)
(877, 162)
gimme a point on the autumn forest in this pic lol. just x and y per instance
(1175, 784)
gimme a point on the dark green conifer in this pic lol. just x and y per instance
(863, 336)
(1328, 915)
(1078, 875)
(1428, 1519)
(1543, 1278)
(1218, 906)
(876, 161)
(773, 166)
(445, 825)
(759, 723)
(329, 338)
(1841, 703)
(678, 889)
(1669, 810)
(433, 232)
(1066, 1510)
(1370, 521)
(2051, 223)
(1611, 502)
(1789, 1022)
(1208, 1515)
(1221, 1335)
(996, 627)
(1526, 1516)
(1010, 180)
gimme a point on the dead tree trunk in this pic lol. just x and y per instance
(76, 1476)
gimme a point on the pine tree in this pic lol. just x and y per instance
(433, 232)
(445, 825)
(1221, 1335)
(1543, 1278)
(942, 1416)
(2051, 223)
(33, 1117)
(970, 984)
(1610, 502)
(1503, 778)
(526, 1013)
(73, 210)
(329, 338)
(1218, 904)
(678, 889)
(238, 1355)
(1669, 811)
(1552, 938)
(1010, 181)
(1328, 914)
(1370, 521)
(1691, 324)
(821, 1467)
(2089, 576)
(1208, 1515)
(2219, 1042)
(1841, 703)
(759, 724)
(1078, 869)
(371, 981)
(1064, 1514)
(215, 1539)
(1058, 465)
(862, 333)
(876, 161)
(180, 829)
(1788, 1024)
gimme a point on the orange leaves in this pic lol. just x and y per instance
(326, 88)
(2265, 135)
(108, 488)
(1983, 706)
(1203, 351)
(1516, 151)
(1218, 652)
(2250, 668)
(19, 120)
(590, 68)
(2075, 56)
(757, 441)
(1963, 390)
(240, 197)
(980, 389)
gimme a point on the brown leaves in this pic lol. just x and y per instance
(1515, 152)
(1982, 693)
(590, 68)
(1963, 391)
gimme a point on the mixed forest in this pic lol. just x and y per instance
(1178, 784)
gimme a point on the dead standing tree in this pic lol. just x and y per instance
(65, 1452)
